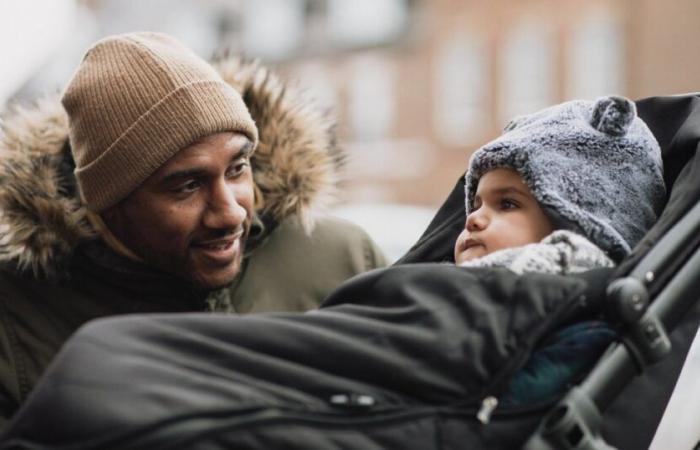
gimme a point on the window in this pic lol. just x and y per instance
(527, 79)
(273, 29)
(354, 23)
(460, 111)
(595, 58)
(371, 97)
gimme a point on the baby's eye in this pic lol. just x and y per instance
(507, 204)
(477, 203)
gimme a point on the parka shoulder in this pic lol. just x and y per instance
(280, 278)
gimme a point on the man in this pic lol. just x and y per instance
(153, 190)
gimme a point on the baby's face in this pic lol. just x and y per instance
(505, 215)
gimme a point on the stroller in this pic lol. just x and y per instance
(410, 357)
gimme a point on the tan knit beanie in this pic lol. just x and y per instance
(134, 102)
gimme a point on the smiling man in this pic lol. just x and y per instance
(162, 145)
(140, 192)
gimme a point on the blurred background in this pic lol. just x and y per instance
(417, 85)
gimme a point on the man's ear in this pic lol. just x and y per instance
(110, 226)
(113, 219)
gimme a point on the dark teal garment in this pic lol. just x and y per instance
(560, 361)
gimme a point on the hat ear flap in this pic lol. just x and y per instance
(613, 115)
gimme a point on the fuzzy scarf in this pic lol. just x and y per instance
(560, 253)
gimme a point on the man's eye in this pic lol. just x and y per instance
(237, 169)
(190, 186)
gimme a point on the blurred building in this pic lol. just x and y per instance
(417, 84)
(448, 74)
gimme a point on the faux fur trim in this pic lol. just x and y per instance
(297, 162)
(42, 220)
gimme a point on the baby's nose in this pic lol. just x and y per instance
(475, 221)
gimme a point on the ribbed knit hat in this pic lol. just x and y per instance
(134, 102)
(594, 167)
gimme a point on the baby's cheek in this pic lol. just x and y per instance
(458, 243)
(462, 236)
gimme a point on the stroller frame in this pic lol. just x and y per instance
(575, 422)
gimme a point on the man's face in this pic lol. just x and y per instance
(505, 215)
(191, 217)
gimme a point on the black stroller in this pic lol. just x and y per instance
(410, 357)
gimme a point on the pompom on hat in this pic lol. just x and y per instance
(135, 101)
(593, 166)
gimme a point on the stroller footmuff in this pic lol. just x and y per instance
(411, 362)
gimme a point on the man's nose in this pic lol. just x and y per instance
(476, 221)
(223, 209)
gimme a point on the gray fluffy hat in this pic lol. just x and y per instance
(593, 166)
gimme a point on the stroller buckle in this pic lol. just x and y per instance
(642, 331)
(629, 299)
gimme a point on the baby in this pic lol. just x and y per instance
(564, 190)
(567, 189)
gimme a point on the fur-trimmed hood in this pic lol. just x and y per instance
(42, 220)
